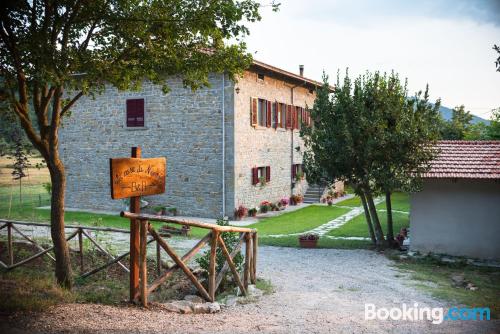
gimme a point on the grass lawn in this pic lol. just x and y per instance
(434, 277)
(399, 201)
(298, 221)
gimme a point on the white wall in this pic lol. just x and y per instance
(457, 217)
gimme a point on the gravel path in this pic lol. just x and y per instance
(317, 291)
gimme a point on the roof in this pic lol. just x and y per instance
(260, 67)
(466, 159)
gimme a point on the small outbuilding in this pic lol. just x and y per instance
(458, 210)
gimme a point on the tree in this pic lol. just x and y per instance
(54, 52)
(493, 129)
(372, 135)
(458, 126)
(497, 61)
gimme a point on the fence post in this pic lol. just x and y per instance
(212, 265)
(158, 258)
(135, 207)
(80, 248)
(9, 244)
(248, 259)
(143, 270)
(255, 243)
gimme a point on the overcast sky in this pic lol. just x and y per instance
(445, 43)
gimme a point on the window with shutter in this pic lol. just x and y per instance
(275, 116)
(268, 173)
(288, 117)
(255, 176)
(253, 112)
(135, 112)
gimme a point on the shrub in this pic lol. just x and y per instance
(231, 240)
(252, 212)
(296, 199)
(284, 201)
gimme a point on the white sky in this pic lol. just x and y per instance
(445, 43)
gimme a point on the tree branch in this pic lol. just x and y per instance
(70, 103)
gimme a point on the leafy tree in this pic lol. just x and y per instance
(54, 52)
(478, 131)
(372, 135)
(458, 126)
(493, 129)
(497, 62)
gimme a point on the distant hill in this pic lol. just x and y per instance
(447, 112)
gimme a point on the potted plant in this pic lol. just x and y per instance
(160, 210)
(299, 176)
(262, 181)
(329, 202)
(265, 206)
(172, 211)
(308, 240)
(284, 202)
(252, 212)
(240, 212)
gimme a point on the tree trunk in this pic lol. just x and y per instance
(379, 233)
(63, 264)
(368, 219)
(390, 228)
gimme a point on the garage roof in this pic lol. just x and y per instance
(466, 159)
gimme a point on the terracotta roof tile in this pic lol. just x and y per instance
(466, 159)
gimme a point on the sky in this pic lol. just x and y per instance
(444, 43)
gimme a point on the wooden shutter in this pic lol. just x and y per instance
(254, 116)
(294, 117)
(268, 114)
(255, 176)
(135, 112)
(268, 173)
(294, 172)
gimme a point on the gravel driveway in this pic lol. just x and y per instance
(317, 291)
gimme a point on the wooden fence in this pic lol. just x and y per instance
(213, 238)
(247, 236)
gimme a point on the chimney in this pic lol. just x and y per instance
(301, 70)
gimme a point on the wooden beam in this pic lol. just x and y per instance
(248, 255)
(179, 262)
(119, 258)
(225, 267)
(158, 259)
(160, 280)
(254, 257)
(187, 222)
(135, 207)
(31, 258)
(90, 228)
(32, 241)
(80, 248)
(232, 265)
(212, 265)
(10, 250)
(143, 263)
(104, 251)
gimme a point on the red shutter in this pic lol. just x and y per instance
(294, 117)
(135, 112)
(268, 173)
(293, 172)
(268, 114)
(255, 176)
(254, 121)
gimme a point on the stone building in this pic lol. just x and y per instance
(233, 143)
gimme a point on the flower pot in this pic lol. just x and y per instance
(308, 243)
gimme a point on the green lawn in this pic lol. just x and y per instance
(293, 241)
(298, 221)
(399, 201)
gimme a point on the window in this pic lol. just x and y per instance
(135, 112)
(274, 115)
(261, 174)
(283, 115)
(260, 76)
(262, 112)
(297, 172)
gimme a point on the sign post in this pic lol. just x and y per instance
(132, 178)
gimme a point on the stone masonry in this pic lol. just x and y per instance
(186, 128)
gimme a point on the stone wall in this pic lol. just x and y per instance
(183, 126)
(262, 146)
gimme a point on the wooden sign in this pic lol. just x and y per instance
(133, 177)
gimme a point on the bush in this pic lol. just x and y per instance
(231, 240)
(240, 212)
(284, 202)
(265, 206)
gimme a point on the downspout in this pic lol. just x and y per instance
(223, 148)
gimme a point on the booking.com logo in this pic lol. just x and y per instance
(435, 314)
